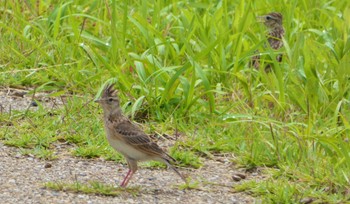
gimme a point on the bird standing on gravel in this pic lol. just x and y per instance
(273, 21)
(127, 138)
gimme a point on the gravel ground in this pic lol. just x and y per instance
(22, 178)
(18, 99)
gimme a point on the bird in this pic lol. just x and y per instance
(273, 22)
(127, 138)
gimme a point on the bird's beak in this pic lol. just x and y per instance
(261, 19)
(97, 101)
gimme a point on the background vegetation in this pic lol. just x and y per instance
(182, 66)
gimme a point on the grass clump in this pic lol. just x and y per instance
(39, 152)
(93, 187)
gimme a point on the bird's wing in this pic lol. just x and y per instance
(135, 137)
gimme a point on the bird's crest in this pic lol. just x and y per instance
(109, 91)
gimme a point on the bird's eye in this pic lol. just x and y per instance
(268, 18)
(110, 99)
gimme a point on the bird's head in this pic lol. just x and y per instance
(109, 99)
(272, 20)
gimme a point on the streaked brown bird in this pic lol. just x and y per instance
(127, 138)
(273, 22)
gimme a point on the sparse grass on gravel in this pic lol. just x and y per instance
(94, 187)
(181, 68)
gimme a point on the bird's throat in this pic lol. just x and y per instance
(114, 114)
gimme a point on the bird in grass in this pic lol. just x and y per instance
(273, 22)
(127, 138)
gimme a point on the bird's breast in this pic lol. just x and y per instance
(126, 149)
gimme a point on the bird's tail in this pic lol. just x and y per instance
(167, 162)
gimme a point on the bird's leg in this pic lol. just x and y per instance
(125, 178)
(132, 169)
(129, 177)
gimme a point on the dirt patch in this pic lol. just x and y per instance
(20, 99)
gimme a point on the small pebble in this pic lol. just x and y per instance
(12, 181)
(34, 104)
(236, 178)
(48, 165)
(243, 176)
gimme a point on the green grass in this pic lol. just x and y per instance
(93, 187)
(40, 152)
(182, 68)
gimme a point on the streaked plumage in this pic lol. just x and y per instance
(127, 138)
(273, 21)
